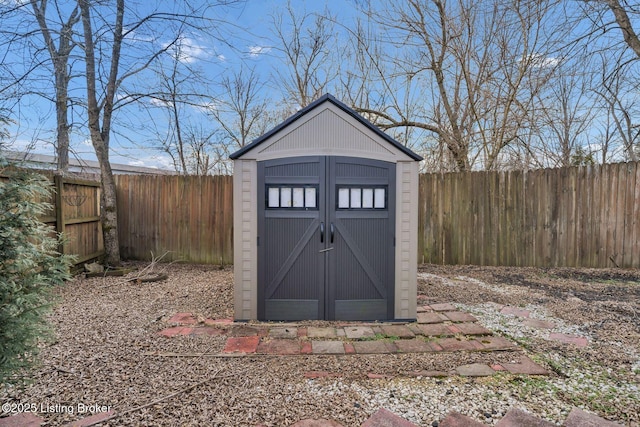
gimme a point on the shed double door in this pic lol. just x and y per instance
(326, 235)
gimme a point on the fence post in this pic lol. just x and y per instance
(59, 186)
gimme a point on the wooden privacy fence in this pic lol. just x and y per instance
(585, 216)
(581, 216)
(75, 212)
(190, 218)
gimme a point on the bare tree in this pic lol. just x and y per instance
(179, 90)
(476, 67)
(100, 115)
(241, 110)
(624, 22)
(565, 114)
(29, 64)
(621, 110)
(307, 49)
(59, 56)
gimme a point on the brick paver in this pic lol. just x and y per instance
(208, 330)
(385, 418)
(569, 339)
(579, 418)
(472, 329)
(306, 348)
(456, 419)
(349, 348)
(539, 324)
(316, 423)
(242, 331)
(496, 343)
(358, 332)
(519, 418)
(399, 331)
(183, 319)
(26, 419)
(327, 347)
(475, 370)
(459, 316)
(285, 333)
(526, 366)
(279, 346)
(92, 420)
(454, 344)
(456, 331)
(443, 307)
(373, 347)
(515, 311)
(241, 344)
(436, 330)
(415, 345)
(430, 317)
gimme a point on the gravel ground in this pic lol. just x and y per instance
(105, 326)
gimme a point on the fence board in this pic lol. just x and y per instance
(74, 211)
(582, 216)
(188, 218)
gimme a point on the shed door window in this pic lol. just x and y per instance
(292, 197)
(362, 197)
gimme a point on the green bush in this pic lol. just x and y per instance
(29, 266)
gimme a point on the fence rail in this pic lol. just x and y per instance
(585, 216)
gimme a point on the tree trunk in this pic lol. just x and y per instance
(108, 210)
(100, 134)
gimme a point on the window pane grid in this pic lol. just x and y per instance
(362, 197)
(303, 197)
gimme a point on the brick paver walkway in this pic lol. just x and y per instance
(439, 328)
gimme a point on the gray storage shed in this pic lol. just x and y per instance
(325, 220)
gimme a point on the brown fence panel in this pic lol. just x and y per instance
(75, 212)
(586, 216)
(187, 218)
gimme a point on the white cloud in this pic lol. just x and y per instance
(543, 61)
(255, 51)
(159, 102)
(222, 58)
(207, 107)
(187, 50)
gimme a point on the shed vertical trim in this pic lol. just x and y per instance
(245, 230)
(406, 239)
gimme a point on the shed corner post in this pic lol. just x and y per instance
(406, 240)
(245, 253)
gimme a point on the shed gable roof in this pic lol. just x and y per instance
(364, 136)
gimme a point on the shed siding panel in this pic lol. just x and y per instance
(329, 132)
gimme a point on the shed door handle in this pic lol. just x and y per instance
(322, 232)
(332, 231)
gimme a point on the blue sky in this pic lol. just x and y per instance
(246, 41)
(250, 45)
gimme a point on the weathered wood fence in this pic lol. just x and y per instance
(187, 218)
(582, 216)
(75, 211)
(585, 216)
(576, 217)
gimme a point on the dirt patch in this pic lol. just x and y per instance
(107, 328)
